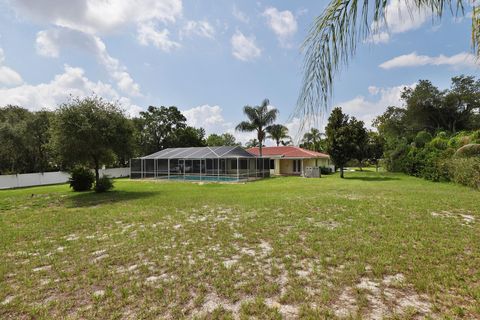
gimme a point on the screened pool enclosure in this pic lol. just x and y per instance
(201, 164)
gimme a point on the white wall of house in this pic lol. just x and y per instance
(46, 178)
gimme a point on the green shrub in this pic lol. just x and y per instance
(475, 137)
(469, 150)
(422, 138)
(439, 143)
(104, 184)
(395, 160)
(81, 179)
(326, 170)
(465, 171)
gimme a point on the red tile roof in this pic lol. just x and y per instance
(288, 152)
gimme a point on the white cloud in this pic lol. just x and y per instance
(367, 109)
(244, 48)
(49, 43)
(283, 24)
(99, 17)
(373, 90)
(380, 37)
(147, 34)
(8, 76)
(72, 82)
(460, 60)
(240, 15)
(200, 28)
(211, 118)
(208, 117)
(400, 16)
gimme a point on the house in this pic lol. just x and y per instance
(290, 160)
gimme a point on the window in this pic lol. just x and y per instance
(272, 164)
(297, 166)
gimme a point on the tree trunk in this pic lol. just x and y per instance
(278, 143)
(376, 166)
(341, 172)
(97, 168)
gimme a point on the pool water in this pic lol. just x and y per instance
(204, 178)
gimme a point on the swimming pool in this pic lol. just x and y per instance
(204, 178)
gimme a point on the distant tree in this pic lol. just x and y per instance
(252, 143)
(225, 139)
(312, 140)
(392, 123)
(186, 137)
(462, 104)
(422, 107)
(360, 140)
(278, 133)
(260, 117)
(91, 131)
(25, 137)
(156, 127)
(340, 139)
(39, 127)
(14, 151)
(375, 147)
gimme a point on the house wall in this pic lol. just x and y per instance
(285, 166)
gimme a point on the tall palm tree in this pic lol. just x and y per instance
(334, 35)
(260, 117)
(278, 132)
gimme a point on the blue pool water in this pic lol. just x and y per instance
(203, 178)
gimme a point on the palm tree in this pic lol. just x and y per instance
(312, 140)
(252, 143)
(278, 132)
(260, 117)
(334, 35)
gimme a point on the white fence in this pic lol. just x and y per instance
(41, 179)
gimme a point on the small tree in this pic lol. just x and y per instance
(340, 139)
(260, 117)
(91, 131)
(375, 148)
(360, 140)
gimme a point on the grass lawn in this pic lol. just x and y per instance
(369, 246)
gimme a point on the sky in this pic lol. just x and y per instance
(210, 58)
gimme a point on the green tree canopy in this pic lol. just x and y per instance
(93, 132)
(156, 127)
(340, 139)
(25, 138)
(225, 139)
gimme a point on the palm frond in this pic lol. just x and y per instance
(245, 126)
(333, 38)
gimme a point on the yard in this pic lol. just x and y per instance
(370, 246)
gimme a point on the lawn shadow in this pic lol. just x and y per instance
(369, 178)
(90, 199)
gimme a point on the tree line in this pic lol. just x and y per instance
(94, 132)
(91, 131)
(435, 134)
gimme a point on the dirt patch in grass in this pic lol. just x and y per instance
(374, 299)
